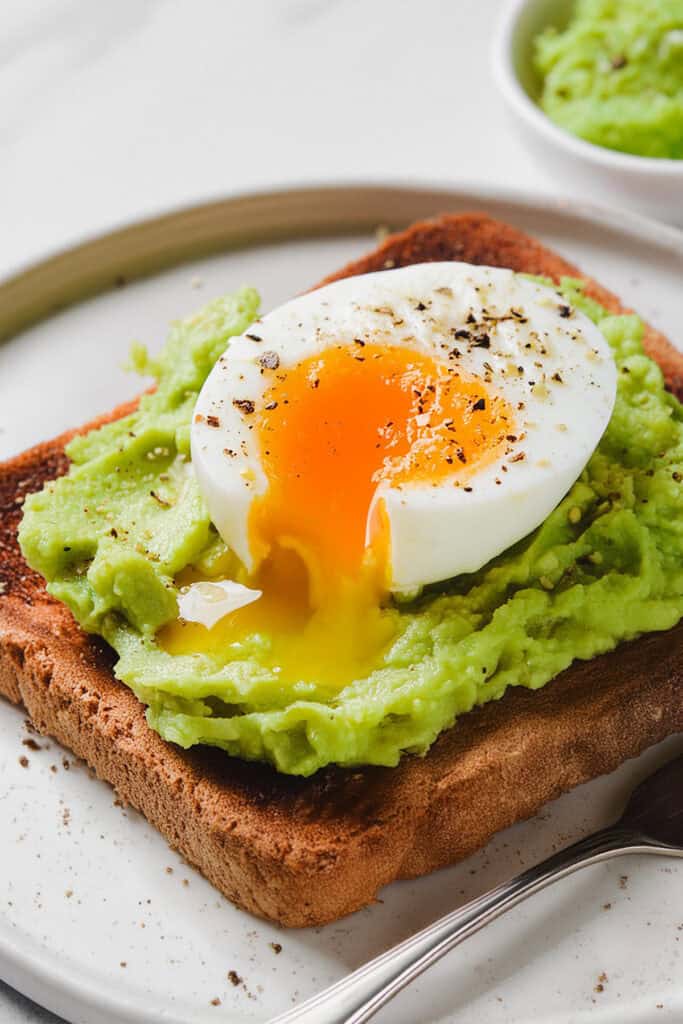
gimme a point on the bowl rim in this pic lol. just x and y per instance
(516, 96)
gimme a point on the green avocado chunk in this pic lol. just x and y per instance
(605, 566)
(614, 75)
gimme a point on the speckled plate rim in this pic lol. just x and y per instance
(139, 249)
(94, 264)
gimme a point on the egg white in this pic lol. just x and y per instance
(550, 362)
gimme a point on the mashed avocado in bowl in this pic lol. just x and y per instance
(121, 534)
(614, 75)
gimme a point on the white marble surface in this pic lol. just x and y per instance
(112, 111)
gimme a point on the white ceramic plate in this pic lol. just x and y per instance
(94, 925)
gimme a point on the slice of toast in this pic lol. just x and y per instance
(307, 851)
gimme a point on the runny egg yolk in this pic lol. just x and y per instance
(331, 429)
(339, 424)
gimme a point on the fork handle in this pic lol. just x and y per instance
(356, 998)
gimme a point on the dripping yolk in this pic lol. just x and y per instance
(331, 429)
(337, 425)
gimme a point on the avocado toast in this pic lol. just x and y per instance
(324, 846)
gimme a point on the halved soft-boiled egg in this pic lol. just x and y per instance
(390, 431)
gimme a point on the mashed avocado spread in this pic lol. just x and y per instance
(118, 536)
(614, 75)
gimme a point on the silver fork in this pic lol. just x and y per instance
(651, 823)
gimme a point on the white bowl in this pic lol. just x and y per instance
(649, 185)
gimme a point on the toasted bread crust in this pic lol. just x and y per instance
(477, 238)
(307, 851)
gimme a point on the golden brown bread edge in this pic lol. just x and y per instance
(308, 851)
